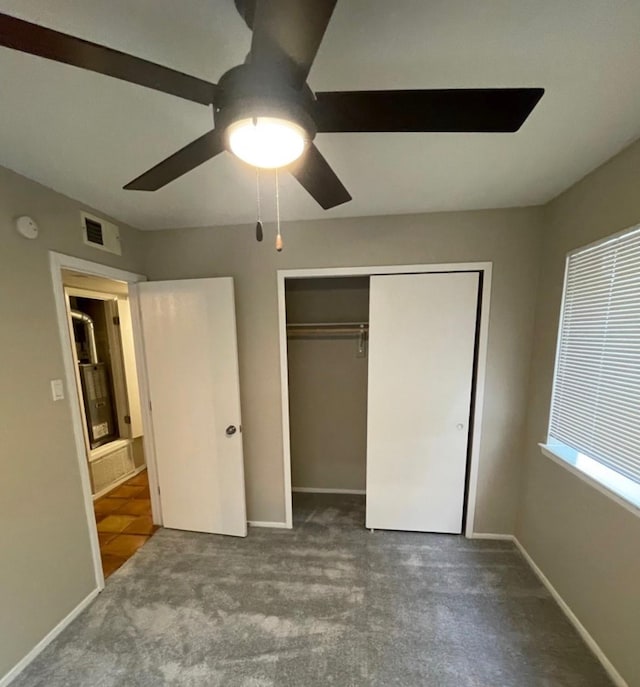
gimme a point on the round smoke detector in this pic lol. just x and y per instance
(27, 227)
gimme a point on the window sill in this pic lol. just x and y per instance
(569, 459)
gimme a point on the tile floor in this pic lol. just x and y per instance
(124, 521)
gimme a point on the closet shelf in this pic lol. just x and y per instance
(324, 328)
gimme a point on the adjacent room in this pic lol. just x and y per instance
(99, 315)
(321, 342)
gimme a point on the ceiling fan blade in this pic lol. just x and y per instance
(314, 173)
(186, 159)
(462, 110)
(287, 35)
(61, 47)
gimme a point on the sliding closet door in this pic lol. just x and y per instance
(421, 348)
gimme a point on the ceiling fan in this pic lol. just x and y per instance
(264, 110)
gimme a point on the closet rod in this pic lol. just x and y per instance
(334, 325)
(328, 328)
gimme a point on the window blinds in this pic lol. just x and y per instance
(596, 397)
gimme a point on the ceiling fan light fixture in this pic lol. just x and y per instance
(267, 142)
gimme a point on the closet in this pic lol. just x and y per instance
(381, 377)
(327, 323)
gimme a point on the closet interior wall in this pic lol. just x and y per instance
(327, 383)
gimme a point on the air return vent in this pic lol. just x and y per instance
(94, 231)
(109, 469)
(100, 234)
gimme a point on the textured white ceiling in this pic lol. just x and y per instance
(86, 135)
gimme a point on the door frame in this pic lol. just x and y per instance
(57, 263)
(485, 268)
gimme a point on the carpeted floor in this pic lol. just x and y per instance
(327, 603)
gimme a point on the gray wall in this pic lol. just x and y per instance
(327, 385)
(46, 567)
(334, 299)
(586, 544)
(509, 238)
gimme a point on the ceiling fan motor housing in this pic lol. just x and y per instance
(246, 92)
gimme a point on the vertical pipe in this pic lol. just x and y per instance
(91, 334)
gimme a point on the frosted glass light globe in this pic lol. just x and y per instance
(266, 141)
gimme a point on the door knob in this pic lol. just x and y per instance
(460, 426)
(230, 430)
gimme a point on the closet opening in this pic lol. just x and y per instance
(101, 339)
(327, 321)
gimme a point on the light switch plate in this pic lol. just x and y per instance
(57, 389)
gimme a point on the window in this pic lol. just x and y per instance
(595, 408)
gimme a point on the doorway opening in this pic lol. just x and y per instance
(101, 339)
(327, 329)
(99, 282)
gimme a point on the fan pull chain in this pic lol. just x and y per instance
(259, 232)
(279, 243)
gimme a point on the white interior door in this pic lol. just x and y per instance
(421, 347)
(189, 331)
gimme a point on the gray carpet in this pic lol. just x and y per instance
(327, 603)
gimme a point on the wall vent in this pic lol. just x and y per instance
(94, 231)
(100, 234)
(107, 470)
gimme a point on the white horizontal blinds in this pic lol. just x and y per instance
(596, 400)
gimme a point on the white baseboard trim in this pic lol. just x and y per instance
(615, 676)
(263, 523)
(45, 641)
(492, 535)
(319, 490)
